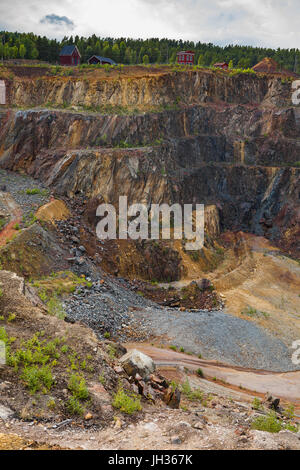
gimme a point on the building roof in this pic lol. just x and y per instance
(103, 59)
(218, 64)
(186, 52)
(68, 50)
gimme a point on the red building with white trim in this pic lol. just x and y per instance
(221, 65)
(186, 57)
(69, 55)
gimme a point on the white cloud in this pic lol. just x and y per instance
(271, 23)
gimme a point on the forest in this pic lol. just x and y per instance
(14, 45)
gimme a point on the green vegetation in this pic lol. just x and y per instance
(36, 359)
(269, 423)
(272, 423)
(126, 402)
(37, 378)
(74, 406)
(33, 191)
(2, 223)
(33, 352)
(78, 387)
(29, 219)
(138, 51)
(200, 372)
(112, 351)
(186, 390)
(52, 287)
(193, 395)
(256, 404)
(252, 312)
(55, 308)
(241, 70)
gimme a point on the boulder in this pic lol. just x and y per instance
(135, 362)
(5, 412)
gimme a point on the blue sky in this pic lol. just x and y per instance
(270, 23)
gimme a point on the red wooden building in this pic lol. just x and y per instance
(186, 57)
(69, 55)
(221, 65)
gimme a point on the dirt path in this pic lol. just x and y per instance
(283, 385)
(14, 212)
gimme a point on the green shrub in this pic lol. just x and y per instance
(33, 191)
(78, 387)
(256, 404)
(126, 403)
(289, 411)
(36, 378)
(55, 308)
(74, 407)
(268, 423)
(200, 372)
(193, 395)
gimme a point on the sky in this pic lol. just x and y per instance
(266, 23)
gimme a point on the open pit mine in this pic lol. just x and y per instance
(132, 344)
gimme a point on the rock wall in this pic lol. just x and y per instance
(189, 87)
(231, 147)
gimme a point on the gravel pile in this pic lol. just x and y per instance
(107, 306)
(110, 306)
(17, 185)
(219, 336)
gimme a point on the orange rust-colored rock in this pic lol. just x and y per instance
(53, 210)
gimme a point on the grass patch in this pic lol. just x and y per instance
(271, 423)
(59, 283)
(37, 378)
(125, 402)
(253, 312)
(55, 308)
(33, 191)
(256, 404)
(186, 390)
(77, 386)
(74, 406)
(268, 423)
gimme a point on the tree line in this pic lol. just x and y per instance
(137, 51)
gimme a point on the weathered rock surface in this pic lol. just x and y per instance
(135, 362)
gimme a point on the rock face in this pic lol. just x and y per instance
(157, 89)
(172, 397)
(135, 362)
(233, 142)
